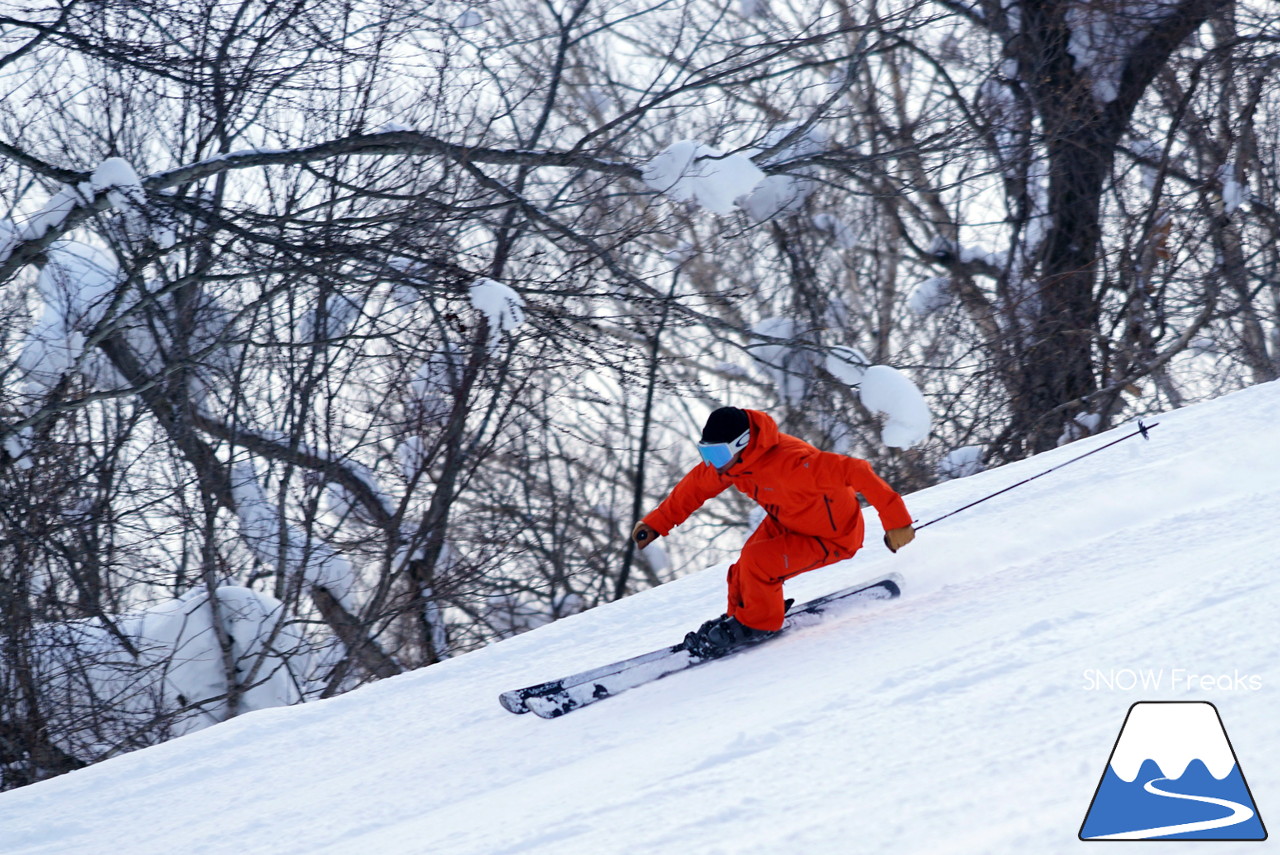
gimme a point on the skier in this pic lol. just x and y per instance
(813, 518)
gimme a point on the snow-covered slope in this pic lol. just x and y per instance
(975, 715)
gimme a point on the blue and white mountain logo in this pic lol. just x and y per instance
(1173, 775)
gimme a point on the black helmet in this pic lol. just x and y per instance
(725, 425)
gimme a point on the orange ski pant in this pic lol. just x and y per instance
(771, 556)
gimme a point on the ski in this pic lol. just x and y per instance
(558, 697)
(514, 700)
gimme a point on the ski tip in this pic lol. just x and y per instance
(892, 583)
(512, 702)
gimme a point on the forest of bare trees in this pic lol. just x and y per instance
(341, 337)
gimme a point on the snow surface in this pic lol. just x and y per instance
(959, 719)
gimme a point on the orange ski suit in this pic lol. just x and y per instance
(813, 519)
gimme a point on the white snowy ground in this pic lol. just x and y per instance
(964, 718)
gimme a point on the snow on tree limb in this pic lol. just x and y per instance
(68, 209)
(689, 171)
(501, 306)
(275, 541)
(114, 184)
(394, 142)
(888, 391)
(355, 479)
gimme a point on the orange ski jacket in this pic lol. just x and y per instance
(804, 490)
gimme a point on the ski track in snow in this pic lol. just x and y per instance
(953, 720)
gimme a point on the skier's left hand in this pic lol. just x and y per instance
(643, 534)
(896, 538)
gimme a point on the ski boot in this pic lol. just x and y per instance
(715, 638)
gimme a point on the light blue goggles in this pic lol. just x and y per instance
(719, 454)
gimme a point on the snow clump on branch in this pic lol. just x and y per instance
(787, 366)
(1104, 36)
(841, 232)
(847, 364)
(931, 295)
(502, 307)
(888, 391)
(784, 193)
(266, 533)
(689, 171)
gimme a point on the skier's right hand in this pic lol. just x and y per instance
(643, 534)
(896, 538)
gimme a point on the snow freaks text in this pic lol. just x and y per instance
(1168, 679)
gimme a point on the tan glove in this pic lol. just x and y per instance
(643, 534)
(896, 538)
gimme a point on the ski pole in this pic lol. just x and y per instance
(1142, 431)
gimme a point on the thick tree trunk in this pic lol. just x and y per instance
(1057, 365)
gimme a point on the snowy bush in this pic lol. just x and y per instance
(931, 295)
(961, 463)
(111, 679)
